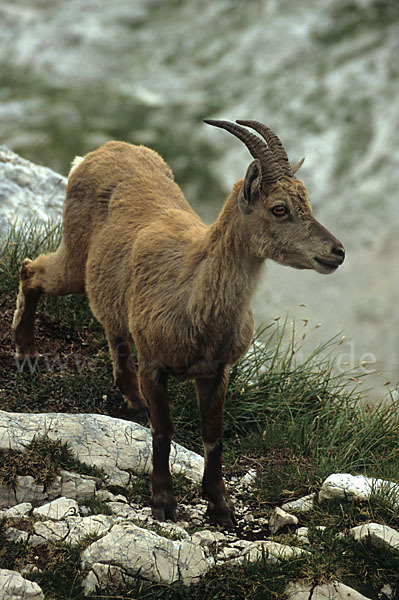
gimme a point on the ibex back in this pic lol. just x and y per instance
(180, 291)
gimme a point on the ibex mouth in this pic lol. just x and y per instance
(328, 267)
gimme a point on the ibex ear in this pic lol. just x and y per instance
(250, 188)
(297, 166)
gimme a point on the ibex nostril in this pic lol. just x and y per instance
(339, 251)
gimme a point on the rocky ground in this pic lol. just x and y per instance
(122, 540)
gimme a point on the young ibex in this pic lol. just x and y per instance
(180, 291)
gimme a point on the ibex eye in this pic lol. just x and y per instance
(280, 210)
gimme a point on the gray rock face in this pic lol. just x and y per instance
(15, 587)
(28, 191)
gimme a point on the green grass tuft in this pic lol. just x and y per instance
(43, 459)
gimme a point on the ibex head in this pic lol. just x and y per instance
(275, 206)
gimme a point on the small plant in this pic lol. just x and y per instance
(42, 459)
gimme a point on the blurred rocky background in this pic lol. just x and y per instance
(323, 75)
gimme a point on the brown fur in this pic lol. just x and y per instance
(180, 291)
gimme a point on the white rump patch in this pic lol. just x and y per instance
(74, 164)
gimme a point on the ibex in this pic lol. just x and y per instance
(180, 291)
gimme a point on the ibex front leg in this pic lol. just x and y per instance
(211, 394)
(153, 386)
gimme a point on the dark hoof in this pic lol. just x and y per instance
(164, 513)
(221, 514)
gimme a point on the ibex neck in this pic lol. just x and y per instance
(227, 276)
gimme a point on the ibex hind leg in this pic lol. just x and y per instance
(50, 274)
(125, 376)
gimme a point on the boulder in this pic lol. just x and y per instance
(358, 487)
(136, 550)
(118, 447)
(15, 587)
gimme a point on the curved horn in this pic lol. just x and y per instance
(274, 143)
(271, 170)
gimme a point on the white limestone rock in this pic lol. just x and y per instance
(26, 490)
(206, 537)
(57, 509)
(379, 535)
(158, 559)
(359, 487)
(388, 591)
(119, 498)
(192, 562)
(280, 518)
(49, 531)
(248, 480)
(302, 533)
(29, 491)
(106, 496)
(168, 528)
(16, 535)
(15, 587)
(227, 553)
(27, 190)
(134, 550)
(7, 496)
(303, 504)
(19, 510)
(119, 447)
(72, 485)
(273, 552)
(73, 529)
(108, 577)
(242, 544)
(120, 509)
(327, 591)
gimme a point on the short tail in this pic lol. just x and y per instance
(74, 164)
